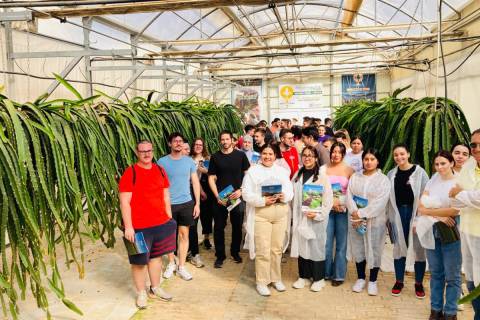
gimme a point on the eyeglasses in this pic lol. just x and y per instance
(198, 144)
(145, 151)
(474, 145)
(308, 156)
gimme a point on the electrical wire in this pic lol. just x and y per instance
(463, 61)
(441, 49)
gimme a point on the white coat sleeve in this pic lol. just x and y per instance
(287, 188)
(378, 202)
(351, 205)
(249, 192)
(327, 200)
(469, 198)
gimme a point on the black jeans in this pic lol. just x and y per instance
(193, 238)
(309, 269)
(206, 214)
(220, 216)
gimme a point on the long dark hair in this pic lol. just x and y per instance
(204, 150)
(316, 169)
(343, 149)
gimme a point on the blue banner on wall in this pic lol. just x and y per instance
(358, 86)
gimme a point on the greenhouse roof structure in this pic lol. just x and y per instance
(247, 39)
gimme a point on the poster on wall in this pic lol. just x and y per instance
(248, 101)
(303, 96)
(358, 86)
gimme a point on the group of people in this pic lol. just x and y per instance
(356, 207)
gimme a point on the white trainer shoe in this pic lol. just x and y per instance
(317, 285)
(299, 284)
(141, 300)
(169, 270)
(279, 286)
(197, 261)
(372, 288)
(359, 285)
(159, 293)
(263, 290)
(184, 274)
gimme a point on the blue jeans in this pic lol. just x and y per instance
(475, 302)
(337, 232)
(445, 263)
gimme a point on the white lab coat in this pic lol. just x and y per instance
(376, 189)
(468, 201)
(418, 180)
(310, 235)
(255, 177)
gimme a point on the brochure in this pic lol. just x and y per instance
(312, 198)
(255, 157)
(360, 202)
(206, 163)
(337, 193)
(271, 190)
(137, 247)
(229, 203)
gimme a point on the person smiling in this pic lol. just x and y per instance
(267, 219)
(407, 184)
(460, 153)
(466, 197)
(309, 229)
(444, 254)
(367, 228)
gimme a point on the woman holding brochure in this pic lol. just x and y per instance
(367, 198)
(439, 235)
(312, 202)
(267, 189)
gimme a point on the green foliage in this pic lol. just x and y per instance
(60, 161)
(425, 127)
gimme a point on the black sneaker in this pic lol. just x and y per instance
(336, 283)
(436, 315)
(397, 288)
(207, 244)
(419, 291)
(218, 263)
(237, 258)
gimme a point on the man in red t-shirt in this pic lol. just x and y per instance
(289, 153)
(145, 206)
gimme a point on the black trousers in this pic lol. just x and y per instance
(206, 214)
(220, 216)
(309, 269)
(193, 238)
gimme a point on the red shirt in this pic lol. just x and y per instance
(291, 156)
(148, 202)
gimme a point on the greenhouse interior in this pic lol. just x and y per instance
(239, 104)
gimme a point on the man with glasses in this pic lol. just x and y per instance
(145, 207)
(227, 167)
(466, 196)
(289, 153)
(182, 172)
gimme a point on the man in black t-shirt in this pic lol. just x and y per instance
(227, 167)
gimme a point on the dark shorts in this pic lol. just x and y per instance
(183, 213)
(160, 240)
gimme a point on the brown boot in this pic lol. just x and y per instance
(450, 317)
(436, 315)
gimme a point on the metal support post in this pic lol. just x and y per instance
(65, 72)
(87, 23)
(9, 52)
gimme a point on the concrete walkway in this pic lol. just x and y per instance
(229, 293)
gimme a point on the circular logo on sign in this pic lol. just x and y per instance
(286, 92)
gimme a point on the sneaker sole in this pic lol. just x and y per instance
(140, 307)
(196, 265)
(420, 298)
(396, 294)
(151, 296)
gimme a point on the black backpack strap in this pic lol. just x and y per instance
(134, 177)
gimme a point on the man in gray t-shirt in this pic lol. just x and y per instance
(310, 138)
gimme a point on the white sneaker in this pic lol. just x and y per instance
(141, 301)
(263, 290)
(372, 288)
(169, 270)
(197, 261)
(279, 286)
(159, 293)
(359, 285)
(317, 285)
(299, 284)
(184, 274)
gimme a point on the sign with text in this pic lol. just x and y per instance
(248, 101)
(358, 86)
(304, 96)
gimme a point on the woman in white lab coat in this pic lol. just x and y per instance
(309, 228)
(367, 198)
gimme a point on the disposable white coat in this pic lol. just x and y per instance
(302, 244)
(255, 177)
(418, 180)
(376, 189)
(468, 201)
